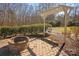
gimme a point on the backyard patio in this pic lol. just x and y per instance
(29, 38)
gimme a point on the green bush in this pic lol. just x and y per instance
(26, 29)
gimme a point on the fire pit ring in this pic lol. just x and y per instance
(18, 44)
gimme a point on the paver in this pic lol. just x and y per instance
(41, 48)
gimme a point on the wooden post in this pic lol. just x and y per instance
(65, 24)
(44, 26)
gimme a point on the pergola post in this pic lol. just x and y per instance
(44, 25)
(65, 24)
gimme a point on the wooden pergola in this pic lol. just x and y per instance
(61, 8)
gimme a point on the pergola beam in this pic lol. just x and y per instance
(55, 10)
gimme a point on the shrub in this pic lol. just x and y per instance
(26, 29)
